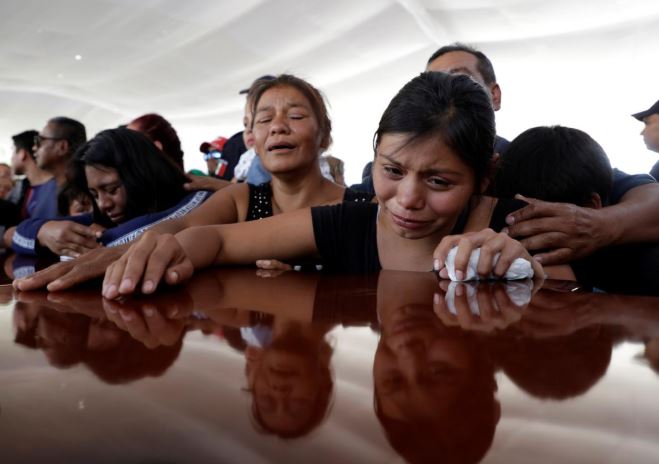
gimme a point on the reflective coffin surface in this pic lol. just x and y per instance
(395, 367)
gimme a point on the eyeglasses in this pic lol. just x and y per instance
(38, 139)
(212, 155)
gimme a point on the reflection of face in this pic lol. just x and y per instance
(248, 133)
(421, 187)
(286, 131)
(107, 189)
(61, 337)
(290, 379)
(460, 62)
(418, 370)
(102, 337)
(650, 132)
(285, 386)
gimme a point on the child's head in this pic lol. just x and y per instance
(557, 164)
(72, 201)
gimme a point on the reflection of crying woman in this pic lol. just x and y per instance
(289, 376)
(434, 386)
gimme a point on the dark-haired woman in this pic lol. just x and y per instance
(134, 186)
(433, 156)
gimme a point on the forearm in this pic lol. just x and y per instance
(202, 245)
(635, 219)
(8, 236)
(173, 226)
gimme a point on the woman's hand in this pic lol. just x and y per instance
(68, 238)
(153, 257)
(68, 274)
(157, 321)
(490, 243)
(482, 306)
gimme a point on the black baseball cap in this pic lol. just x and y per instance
(654, 109)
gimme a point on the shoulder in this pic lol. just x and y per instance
(352, 195)
(623, 182)
(234, 192)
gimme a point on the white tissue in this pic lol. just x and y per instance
(519, 293)
(519, 269)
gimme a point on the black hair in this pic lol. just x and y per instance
(25, 141)
(484, 64)
(152, 181)
(311, 93)
(131, 360)
(453, 108)
(556, 163)
(68, 194)
(556, 368)
(72, 131)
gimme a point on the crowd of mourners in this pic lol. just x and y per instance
(444, 192)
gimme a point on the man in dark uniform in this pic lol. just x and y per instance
(650, 132)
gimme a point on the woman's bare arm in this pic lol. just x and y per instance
(174, 258)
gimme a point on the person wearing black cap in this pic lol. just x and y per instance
(650, 132)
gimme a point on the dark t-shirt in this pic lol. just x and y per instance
(9, 214)
(623, 182)
(346, 234)
(654, 172)
(233, 149)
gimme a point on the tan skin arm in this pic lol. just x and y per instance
(175, 258)
(573, 232)
(221, 208)
(219, 292)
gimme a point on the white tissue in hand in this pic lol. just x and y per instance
(519, 269)
(518, 292)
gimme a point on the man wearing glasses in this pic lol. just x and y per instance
(53, 148)
(24, 164)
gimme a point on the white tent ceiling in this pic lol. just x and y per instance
(585, 63)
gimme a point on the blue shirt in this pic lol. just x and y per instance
(256, 174)
(43, 200)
